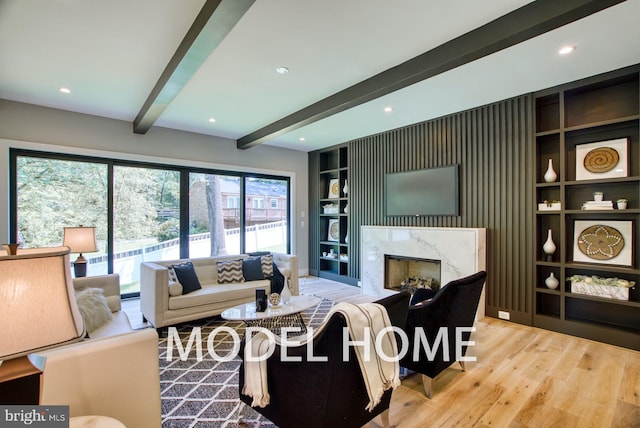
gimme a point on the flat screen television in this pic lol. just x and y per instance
(423, 192)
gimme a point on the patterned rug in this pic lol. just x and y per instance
(205, 393)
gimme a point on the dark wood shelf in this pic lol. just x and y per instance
(625, 270)
(334, 164)
(602, 123)
(546, 263)
(546, 133)
(603, 299)
(601, 212)
(555, 292)
(604, 108)
(614, 180)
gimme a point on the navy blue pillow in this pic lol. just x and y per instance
(187, 277)
(252, 269)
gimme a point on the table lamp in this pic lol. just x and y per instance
(39, 311)
(80, 240)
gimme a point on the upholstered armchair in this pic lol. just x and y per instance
(324, 394)
(452, 307)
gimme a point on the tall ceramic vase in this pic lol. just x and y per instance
(549, 246)
(550, 176)
(285, 295)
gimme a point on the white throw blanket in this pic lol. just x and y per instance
(366, 318)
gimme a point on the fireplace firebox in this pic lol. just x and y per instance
(409, 273)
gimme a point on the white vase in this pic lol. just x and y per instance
(345, 189)
(550, 176)
(551, 281)
(285, 295)
(549, 246)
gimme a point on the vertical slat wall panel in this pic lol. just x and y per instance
(493, 145)
(314, 214)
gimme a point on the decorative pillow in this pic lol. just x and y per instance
(175, 288)
(93, 308)
(267, 262)
(252, 269)
(267, 265)
(172, 274)
(187, 277)
(230, 271)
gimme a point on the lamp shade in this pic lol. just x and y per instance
(39, 308)
(80, 239)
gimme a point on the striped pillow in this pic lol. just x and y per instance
(267, 265)
(230, 271)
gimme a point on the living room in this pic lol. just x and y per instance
(493, 137)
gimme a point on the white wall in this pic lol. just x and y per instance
(28, 126)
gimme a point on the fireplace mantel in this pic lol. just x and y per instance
(461, 251)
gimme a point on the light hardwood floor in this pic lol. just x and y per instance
(523, 377)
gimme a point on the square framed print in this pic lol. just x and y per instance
(334, 189)
(333, 231)
(603, 241)
(603, 159)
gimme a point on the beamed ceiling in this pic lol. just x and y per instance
(178, 64)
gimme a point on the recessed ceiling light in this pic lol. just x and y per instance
(566, 50)
(388, 109)
(65, 90)
(212, 120)
(282, 70)
(301, 139)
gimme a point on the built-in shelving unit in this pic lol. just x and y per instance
(598, 109)
(334, 253)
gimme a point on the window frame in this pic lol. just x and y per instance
(184, 171)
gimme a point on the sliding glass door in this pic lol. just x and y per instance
(214, 215)
(146, 220)
(266, 214)
(145, 212)
(53, 194)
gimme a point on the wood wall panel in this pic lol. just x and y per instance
(313, 215)
(494, 147)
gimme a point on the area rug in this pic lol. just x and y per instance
(205, 393)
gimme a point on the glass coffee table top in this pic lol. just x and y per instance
(247, 311)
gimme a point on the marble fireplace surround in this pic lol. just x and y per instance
(461, 252)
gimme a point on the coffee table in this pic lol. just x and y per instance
(274, 317)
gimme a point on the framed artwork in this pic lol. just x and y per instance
(603, 241)
(334, 189)
(604, 159)
(333, 232)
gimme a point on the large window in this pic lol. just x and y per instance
(53, 194)
(146, 220)
(213, 229)
(144, 212)
(266, 227)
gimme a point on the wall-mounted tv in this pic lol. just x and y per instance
(423, 192)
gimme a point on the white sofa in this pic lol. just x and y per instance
(114, 373)
(161, 309)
